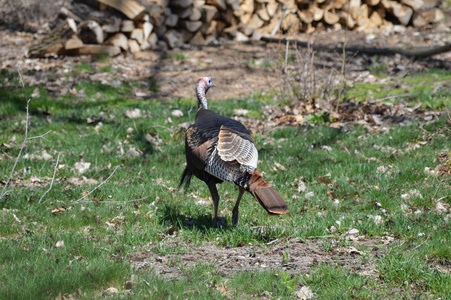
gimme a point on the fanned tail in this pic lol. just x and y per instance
(266, 195)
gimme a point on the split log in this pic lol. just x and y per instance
(186, 35)
(245, 18)
(132, 9)
(255, 21)
(339, 4)
(95, 50)
(263, 14)
(52, 43)
(415, 4)
(220, 4)
(246, 29)
(147, 28)
(330, 17)
(376, 19)
(153, 40)
(372, 2)
(418, 20)
(184, 13)
(306, 16)
(113, 26)
(91, 32)
(73, 43)
(272, 8)
(182, 3)
(208, 13)
(290, 23)
(247, 6)
(133, 46)
(402, 12)
(198, 39)
(118, 40)
(127, 26)
(193, 26)
(137, 35)
(196, 14)
(173, 38)
(209, 28)
(432, 16)
(171, 20)
(241, 37)
(317, 12)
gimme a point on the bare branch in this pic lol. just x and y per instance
(40, 136)
(125, 201)
(53, 179)
(78, 200)
(415, 52)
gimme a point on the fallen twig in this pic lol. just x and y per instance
(418, 52)
(124, 201)
(42, 136)
(53, 179)
(98, 185)
(396, 96)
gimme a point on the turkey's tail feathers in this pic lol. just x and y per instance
(266, 195)
(186, 178)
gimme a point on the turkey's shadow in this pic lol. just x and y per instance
(177, 220)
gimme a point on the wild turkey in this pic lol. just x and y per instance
(221, 149)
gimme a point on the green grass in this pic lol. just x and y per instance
(431, 89)
(344, 184)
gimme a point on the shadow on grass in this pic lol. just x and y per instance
(201, 223)
(235, 236)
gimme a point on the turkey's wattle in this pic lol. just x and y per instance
(220, 149)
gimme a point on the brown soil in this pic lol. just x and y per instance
(299, 255)
(238, 70)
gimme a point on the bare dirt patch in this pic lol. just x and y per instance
(238, 69)
(293, 256)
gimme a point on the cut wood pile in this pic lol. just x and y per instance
(115, 26)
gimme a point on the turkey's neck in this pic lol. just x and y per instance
(201, 91)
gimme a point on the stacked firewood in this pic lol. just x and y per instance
(114, 26)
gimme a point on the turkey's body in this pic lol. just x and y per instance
(221, 149)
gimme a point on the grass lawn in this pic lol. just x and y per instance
(115, 193)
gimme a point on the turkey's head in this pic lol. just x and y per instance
(207, 82)
(202, 87)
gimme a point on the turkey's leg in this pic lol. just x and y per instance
(215, 197)
(235, 208)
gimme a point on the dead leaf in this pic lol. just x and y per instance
(133, 113)
(36, 93)
(110, 291)
(241, 111)
(411, 194)
(278, 166)
(352, 232)
(79, 182)
(299, 184)
(82, 166)
(35, 179)
(177, 113)
(58, 210)
(304, 293)
(59, 244)
(440, 208)
(351, 250)
(133, 152)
